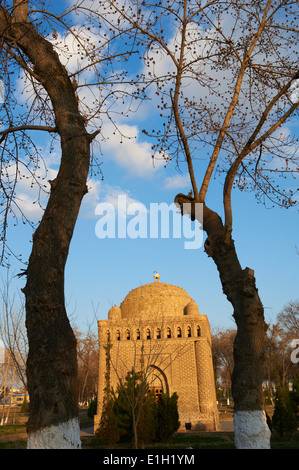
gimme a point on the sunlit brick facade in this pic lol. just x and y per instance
(158, 329)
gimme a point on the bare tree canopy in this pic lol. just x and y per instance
(79, 38)
(289, 319)
(222, 80)
(35, 51)
(225, 78)
(225, 75)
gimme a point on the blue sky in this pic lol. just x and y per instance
(265, 241)
(101, 272)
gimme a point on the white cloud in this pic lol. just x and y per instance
(177, 181)
(31, 191)
(100, 193)
(91, 199)
(29, 206)
(126, 149)
(76, 49)
(112, 193)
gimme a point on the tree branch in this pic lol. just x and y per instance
(20, 11)
(25, 128)
(175, 106)
(252, 144)
(230, 111)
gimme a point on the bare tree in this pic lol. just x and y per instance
(146, 353)
(34, 49)
(13, 336)
(223, 347)
(13, 331)
(271, 346)
(243, 62)
(87, 351)
(225, 77)
(289, 319)
(7, 383)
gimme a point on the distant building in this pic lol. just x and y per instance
(158, 328)
(18, 398)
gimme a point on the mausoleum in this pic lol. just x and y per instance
(158, 328)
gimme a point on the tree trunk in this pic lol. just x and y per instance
(135, 432)
(52, 363)
(251, 430)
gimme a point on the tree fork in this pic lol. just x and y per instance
(240, 289)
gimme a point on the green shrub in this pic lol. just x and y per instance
(167, 416)
(133, 414)
(92, 409)
(284, 420)
(134, 394)
(25, 406)
(107, 431)
(294, 396)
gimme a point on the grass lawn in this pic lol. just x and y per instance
(195, 441)
(178, 441)
(14, 437)
(221, 440)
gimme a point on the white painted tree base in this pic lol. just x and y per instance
(251, 430)
(63, 436)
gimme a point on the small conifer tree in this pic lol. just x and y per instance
(134, 409)
(294, 395)
(92, 409)
(25, 406)
(108, 429)
(284, 420)
(167, 420)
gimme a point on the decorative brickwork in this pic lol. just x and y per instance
(158, 329)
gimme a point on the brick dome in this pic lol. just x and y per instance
(156, 299)
(114, 313)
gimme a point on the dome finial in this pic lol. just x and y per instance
(156, 277)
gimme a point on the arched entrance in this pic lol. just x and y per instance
(157, 380)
